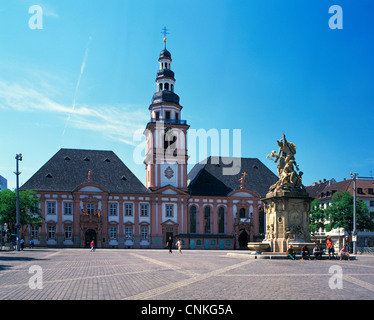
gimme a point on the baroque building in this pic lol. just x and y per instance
(91, 194)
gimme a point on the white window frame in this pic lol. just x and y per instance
(113, 209)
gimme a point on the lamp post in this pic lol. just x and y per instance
(18, 158)
(354, 235)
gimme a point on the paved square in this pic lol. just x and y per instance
(113, 274)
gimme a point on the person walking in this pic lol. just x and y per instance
(169, 244)
(22, 244)
(92, 244)
(179, 245)
(31, 243)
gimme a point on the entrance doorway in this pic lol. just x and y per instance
(243, 239)
(89, 236)
(169, 234)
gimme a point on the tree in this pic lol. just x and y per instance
(340, 213)
(317, 216)
(29, 208)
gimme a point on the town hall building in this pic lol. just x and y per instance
(92, 195)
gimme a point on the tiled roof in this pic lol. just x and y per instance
(68, 169)
(364, 189)
(209, 179)
(316, 188)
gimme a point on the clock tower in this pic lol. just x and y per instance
(166, 132)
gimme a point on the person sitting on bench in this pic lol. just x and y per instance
(291, 253)
(317, 252)
(344, 253)
(305, 252)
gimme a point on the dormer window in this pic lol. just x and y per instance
(67, 158)
(86, 159)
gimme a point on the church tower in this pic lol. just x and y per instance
(166, 132)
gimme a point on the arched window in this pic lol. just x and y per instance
(242, 213)
(207, 219)
(160, 86)
(166, 86)
(193, 219)
(221, 220)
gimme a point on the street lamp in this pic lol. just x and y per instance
(18, 224)
(354, 234)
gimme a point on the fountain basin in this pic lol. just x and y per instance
(258, 246)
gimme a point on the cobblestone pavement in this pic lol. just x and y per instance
(111, 274)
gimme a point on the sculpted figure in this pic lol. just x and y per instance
(287, 167)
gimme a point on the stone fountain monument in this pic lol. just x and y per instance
(287, 205)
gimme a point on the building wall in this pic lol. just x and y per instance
(141, 220)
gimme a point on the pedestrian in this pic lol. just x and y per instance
(22, 244)
(92, 246)
(31, 243)
(330, 247)
(291, 252)
(169, 244)
(344, 253)
(179, 245)
(305, 252)
(317, 252)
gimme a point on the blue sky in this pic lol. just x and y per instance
(265, 67)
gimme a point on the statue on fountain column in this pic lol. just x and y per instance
(288, 170)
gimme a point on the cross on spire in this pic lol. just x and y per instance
(165, 33)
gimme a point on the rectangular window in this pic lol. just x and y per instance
(113, 232)
(68, 208)
(370, 191)
(144, 233)
(169, 210)
(51, 232)
(371, 203)
(157, 115)
(128, 209)
(68, 233)
(34, 232)
(90, 208)
(113, 209)
(51, 208)
(128, 233)
(144, 210)
(167, 115)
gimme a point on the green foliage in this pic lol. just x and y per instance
(317, 216)
(29, 208)
(340, 213)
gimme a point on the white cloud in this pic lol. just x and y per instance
(115, 122)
